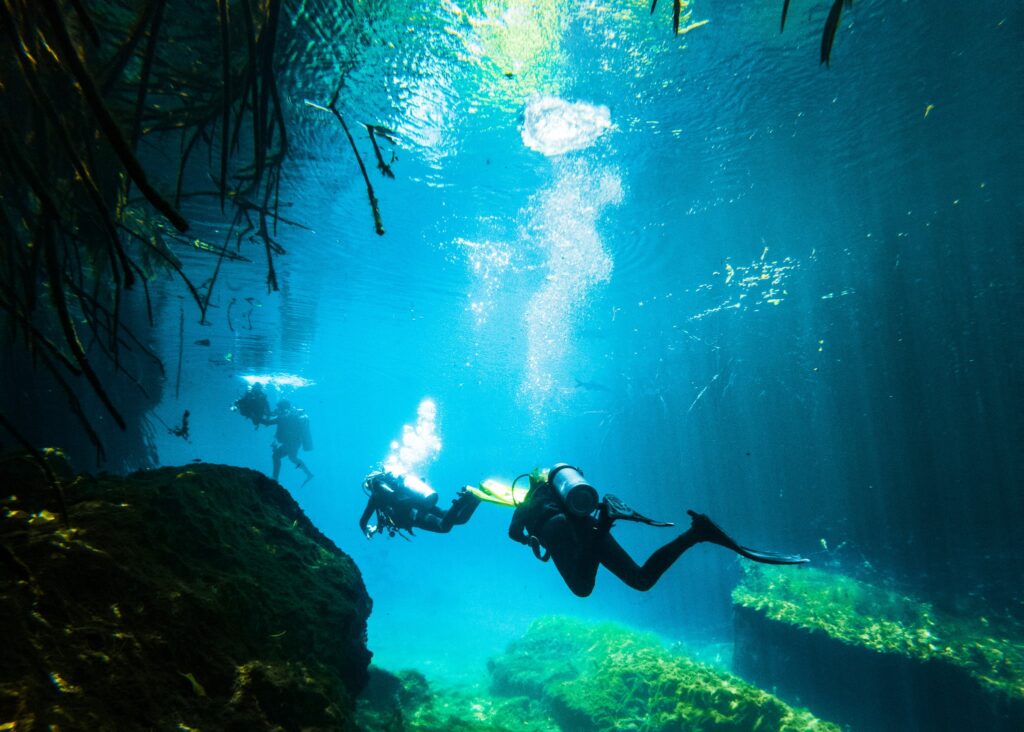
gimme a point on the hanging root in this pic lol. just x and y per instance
(378, 225)
(44, 467)
(90, 92)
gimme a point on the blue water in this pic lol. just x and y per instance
(784, 295)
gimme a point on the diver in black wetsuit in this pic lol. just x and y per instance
(292, 434)
(558, 514)
(253, 405)
(404, 502)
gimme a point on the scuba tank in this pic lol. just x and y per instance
(580, 498)
(419, 488)
(407, 485)
(307, 438)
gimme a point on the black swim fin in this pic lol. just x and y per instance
(708, 530)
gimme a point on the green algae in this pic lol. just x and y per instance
(406, 702)
(602, 676)
(196, 597)
(858, 613)
(567, 674)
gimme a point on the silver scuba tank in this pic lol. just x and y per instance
(419, 488)
(407, 485)
(580, 498)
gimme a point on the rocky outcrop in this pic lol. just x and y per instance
(875, 658)
(569, 675)
(198, 597)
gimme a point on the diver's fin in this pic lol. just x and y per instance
(764, 557)
(708, 530)
(616, 509)
(494, 491)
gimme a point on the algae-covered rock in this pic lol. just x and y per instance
(884, 620)
(181, 598)
(406, 702)
(892, 660)
(607, 677)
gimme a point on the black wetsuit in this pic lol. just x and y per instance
(404, 509)
(291, 430)
(579, 544)
(253, 405)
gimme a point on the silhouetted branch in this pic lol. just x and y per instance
(828, 36)
(383, 167)
(87, 85)
(378, 225)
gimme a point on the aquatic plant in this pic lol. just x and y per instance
(680, 11)
(858, 613)
(828, 33)
(406, 702)
(603, 676)
(83, 218)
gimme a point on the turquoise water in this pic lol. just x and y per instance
(785, 295)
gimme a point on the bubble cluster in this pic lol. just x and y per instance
(553, 126)
(419, 444)
(565, 226)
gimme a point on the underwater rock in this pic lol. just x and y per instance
(180, 598)
(405, 702)
(876, 659)
(606, 677)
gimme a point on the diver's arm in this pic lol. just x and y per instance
(371, 506)
(517, 528)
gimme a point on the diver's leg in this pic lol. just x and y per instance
(619, 563)
(276, 452)
(293, 455)
(461, 510)
(431, 519)
(573, 552)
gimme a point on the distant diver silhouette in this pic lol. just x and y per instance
(562, 515)
(182, 429)
(253, 405)
(292, 433)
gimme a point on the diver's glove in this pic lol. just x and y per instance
(534, 544)
(370, 530)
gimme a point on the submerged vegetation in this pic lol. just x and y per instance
(570, 674)
(115, 117)
(608, 677)
(886, 621)
(84, 216)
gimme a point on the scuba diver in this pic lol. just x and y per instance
(562, 514)
(253, 405)
(404, 502)
(292, 433)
